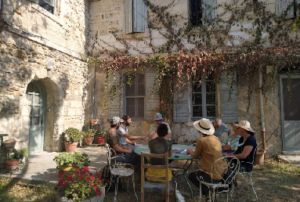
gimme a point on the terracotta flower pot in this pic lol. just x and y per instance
(70, 147)
(260, 157)
(89, 140)
(12, 164)
(100, 140)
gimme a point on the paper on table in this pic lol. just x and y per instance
(179, 151)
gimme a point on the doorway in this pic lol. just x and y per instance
(36, 94)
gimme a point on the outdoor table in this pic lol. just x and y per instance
(179, 156)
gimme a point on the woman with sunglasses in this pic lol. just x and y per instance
(230, 144)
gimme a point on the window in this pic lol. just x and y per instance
(46, 4)
(135, 20)
(135, 96)
(288, 8)
(204, 98)
(202, 11)
(196, 12)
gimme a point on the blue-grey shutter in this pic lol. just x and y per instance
(151, 103)
(139, 16)
(128, 16)
(297, 13)
(281, 7)
(114, 107)
(229, 109)
(181, 105)
(209, 9)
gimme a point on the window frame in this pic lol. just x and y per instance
(125, 97)
(204, 97)
(189, 17)
(53, 5)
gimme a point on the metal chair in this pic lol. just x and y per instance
(148, 186)
(118, 169)
(243, 172)
(224, 182)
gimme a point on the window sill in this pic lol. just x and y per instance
(136, 35)
(46, 13)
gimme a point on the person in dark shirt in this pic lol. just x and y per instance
(160, 145)
(246, 150)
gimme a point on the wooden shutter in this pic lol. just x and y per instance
(281, 7)
(128, 16)
(229, 109)
(209, 9)
(151, 105)
(114, 108)
(139, 14)
(181, 105)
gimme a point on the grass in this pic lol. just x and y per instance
(13, 191)
(275, 181)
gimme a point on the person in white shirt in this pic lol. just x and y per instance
(153, 128)
(124, 137)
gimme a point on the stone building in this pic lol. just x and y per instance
(46, 87)
(43, 80)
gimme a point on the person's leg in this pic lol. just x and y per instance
(202, 176)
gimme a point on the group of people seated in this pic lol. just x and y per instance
(209, 148)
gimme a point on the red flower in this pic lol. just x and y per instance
(74, 166)
(65, 184)
(88, 179)
(93, 178)
(85, 168)
(60, 183)
(91, 174)
(77, 171)
(61, 175)
(80, 177)
(95, 187)
(99, 181)
(69, 179)
(98, 193)
(98, 175)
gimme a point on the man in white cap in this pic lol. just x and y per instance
(209, 149)
(153, 128)
(220, 127)
(125, 154)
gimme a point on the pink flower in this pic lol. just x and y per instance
(69, 179)
(61, 175)
(88, 179)
(85, 168)
(95, 187)
(93, 178)
(98, 193)
(60, 183)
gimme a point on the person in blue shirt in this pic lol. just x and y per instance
(230, 144)
(220, 127)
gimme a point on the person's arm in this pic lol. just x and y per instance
(197, 151)
(169, 135)
(229, 132)
(153, 136)
(130, 137)
(226, 147)
(130, 142)
(170, 152)
(121, 149)
(246, 151)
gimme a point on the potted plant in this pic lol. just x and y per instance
(89, 136)
(101, 138)
(72, 136)
(80, 185)
(66, 160)
(13, 161)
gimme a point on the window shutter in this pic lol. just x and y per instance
(151, 105)
(128, 16)
(298, 13)
(229, 109)
(114, 108)
(139, 16)
(281, 7)
(180, 105)
(209, 9)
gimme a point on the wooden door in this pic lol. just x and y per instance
(36, 94)
(290, 112)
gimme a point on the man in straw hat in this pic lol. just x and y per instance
(210, 149)
(153, 128)
(246, 150)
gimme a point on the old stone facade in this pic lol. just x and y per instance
(37, 45)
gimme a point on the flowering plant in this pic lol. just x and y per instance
(89, 133)
(80, 184)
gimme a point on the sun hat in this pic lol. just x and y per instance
(158, 116)
(245, 125)
(115, 120)
(204, 126)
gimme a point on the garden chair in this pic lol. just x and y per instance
(147, 186)
(226, 180)
(244, 173)
(118, 169)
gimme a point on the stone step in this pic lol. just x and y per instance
(293, 159)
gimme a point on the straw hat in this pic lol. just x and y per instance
(245, 125)
(204, 126)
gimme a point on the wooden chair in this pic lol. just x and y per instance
(156, 186)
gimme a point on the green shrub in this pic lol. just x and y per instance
(18, 153)
(79, 159)
(72, 135)
(89, 133)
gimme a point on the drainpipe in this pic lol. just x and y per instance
(262, 114)
(94, 92)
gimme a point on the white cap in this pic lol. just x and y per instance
(158, 116)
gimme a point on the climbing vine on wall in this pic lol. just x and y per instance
(191, 53)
